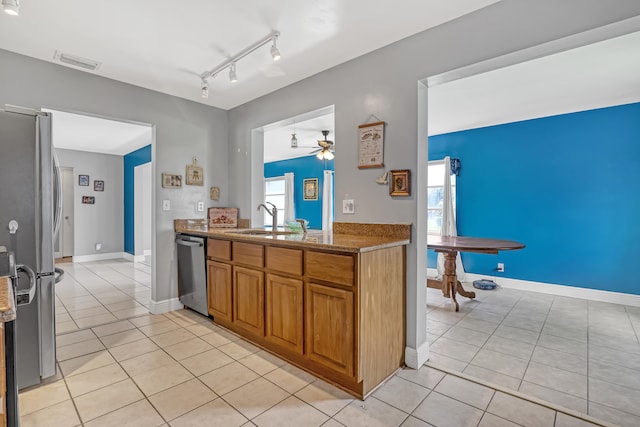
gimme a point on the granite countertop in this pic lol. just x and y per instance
(346, 237)
(7, 301)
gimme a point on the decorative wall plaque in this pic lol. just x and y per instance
(371, 145)
(195, 173)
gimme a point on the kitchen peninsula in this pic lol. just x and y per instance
(332, 303)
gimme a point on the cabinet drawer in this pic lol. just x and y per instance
(329, 267)
(219, 249)
(248, 254)
(285, 260)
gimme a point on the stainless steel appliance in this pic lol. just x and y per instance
(27, 218)
(192, 272)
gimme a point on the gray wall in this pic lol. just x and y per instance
(384, 83)
(183, 129)
(104, 221)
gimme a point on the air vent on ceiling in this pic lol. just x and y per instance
(76, 61)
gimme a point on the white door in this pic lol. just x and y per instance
(66, 225)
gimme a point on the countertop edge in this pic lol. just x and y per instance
(7, 300)
(233, 234)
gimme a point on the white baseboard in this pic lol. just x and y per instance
(132, 258)
(554, 289)
(159, 307)
(415, 358)
(97, 257)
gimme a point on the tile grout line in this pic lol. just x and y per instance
(536, 345)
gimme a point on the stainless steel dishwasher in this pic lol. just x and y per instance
(192, 272)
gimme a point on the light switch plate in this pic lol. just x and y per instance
(348, 206)
(166, 205)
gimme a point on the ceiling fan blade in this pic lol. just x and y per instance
(316, 151)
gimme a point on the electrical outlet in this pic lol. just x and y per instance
(98, 246)
(348, 206)
(500, 267)
(200, 206)
(166, 205)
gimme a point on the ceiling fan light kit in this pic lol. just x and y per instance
(325, 152)
(230, 63)
(11, 7)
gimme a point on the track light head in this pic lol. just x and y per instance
(232, 73)
(275, 53)
(11, 7)
(205, 89)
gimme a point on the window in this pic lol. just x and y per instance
(435, 195)
(274, 193)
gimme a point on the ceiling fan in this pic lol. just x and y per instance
(326, 150)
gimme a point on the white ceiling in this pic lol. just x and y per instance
(165, 45)
(598, 75)
(85, 133)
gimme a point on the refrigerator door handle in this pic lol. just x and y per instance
(59, 275)
(57, 184)
(26, 296)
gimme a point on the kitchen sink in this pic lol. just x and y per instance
(263, 232)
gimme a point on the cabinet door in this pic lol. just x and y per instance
(219, 282)
(248, 300)
(329, 327)
(284, 312)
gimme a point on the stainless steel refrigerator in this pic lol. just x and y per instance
(29, 208)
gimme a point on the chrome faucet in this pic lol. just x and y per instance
(303, 223)
(274, 214)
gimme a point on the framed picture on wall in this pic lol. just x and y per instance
(88, 200)
(310, 189)
(98, 185)
(83, 180)
(170, 180)
(400, 183)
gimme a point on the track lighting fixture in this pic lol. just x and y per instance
(11, 7)
(275, 53)
(232, 73)
(231, 62)
(205, 89)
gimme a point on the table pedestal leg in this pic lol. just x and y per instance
(449, 281)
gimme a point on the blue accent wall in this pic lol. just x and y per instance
(131, 160)
(303, 168)
(567, 186)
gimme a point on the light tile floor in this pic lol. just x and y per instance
(95, 293)
(579, 354)
(180, 369)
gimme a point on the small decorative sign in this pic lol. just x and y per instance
(195, 173)
(371, 146)
(214, 193)
(170, 180)
(88, 200)
(400, 183)
(98, 185)
(223, 217)
(310, 189)
(83, 180)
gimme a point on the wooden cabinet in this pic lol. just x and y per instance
(335, 313)
(220, 288)
(284, 312)
(329, 327)
(248, 300)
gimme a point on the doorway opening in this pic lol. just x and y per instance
(288, 172)
(108, 191)
(538, 110)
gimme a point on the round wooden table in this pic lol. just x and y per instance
(450, 246)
